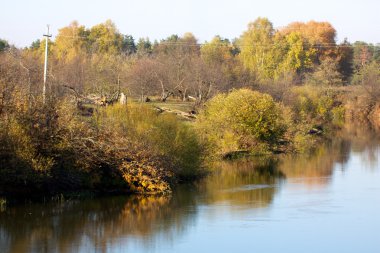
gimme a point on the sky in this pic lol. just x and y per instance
(23, 21)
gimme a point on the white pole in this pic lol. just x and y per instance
(46, 63)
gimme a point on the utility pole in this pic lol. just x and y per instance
(46, 63)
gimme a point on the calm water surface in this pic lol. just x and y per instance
(327, 201)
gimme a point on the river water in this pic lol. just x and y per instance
(325, 201)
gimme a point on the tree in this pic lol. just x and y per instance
(3, 45)
(363, 54)
(35, 44)
(174, 58)
(217, 51)
(257, 48)
(369, 78)
(129, 46)
(376, 53)
(190, 44)
(144, 47)
(320, 35)
(172, 74)
(327, 73)
(204, 80)
(71, 42)
(142, 78)
(296, 56)
(345, 55)
(174, 45)
(105, 38)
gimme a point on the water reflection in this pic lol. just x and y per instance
(107, 224)
(247, 182)
(96, 223)
(316, 167)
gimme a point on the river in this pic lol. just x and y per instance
(324, 201)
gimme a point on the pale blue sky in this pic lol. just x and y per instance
(23, 21)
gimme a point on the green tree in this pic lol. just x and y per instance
(376, 53)
(35, 44)
(144, 47)
(3, 45)
(129, 46)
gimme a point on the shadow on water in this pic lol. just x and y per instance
(95, 224)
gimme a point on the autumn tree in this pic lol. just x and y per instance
(142, 78)
(174, 57)
(220, 70)
(320, 35)
(217, 51)
(368, 77)
(274, 54)
(296, 55)
(364, 53)
(71, 41)
(105, 38)
(19, 79)
(345, 57)
(327, 74)
(257, 48)
(175, 45)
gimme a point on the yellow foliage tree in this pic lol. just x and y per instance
(71, 41)
(218, 50)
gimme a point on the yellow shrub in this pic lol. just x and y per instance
(243, 119)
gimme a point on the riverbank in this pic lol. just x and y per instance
(53, 149)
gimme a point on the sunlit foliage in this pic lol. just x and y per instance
(242, 120)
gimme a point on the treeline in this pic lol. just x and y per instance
(102, 60)
(269, 91)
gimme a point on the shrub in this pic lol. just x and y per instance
(314, 105)
(53, 149)
(172, 141)
(368, 77)
(241, 120)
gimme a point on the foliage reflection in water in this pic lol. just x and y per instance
(234, 199)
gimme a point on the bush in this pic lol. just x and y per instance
(368, 77)
(315, 105)
(51, 148)
(174, 142)
(241, 120)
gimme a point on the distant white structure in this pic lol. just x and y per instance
(123, 99)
